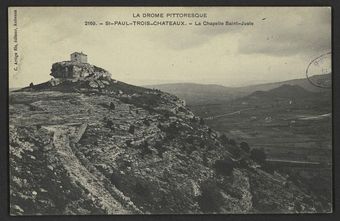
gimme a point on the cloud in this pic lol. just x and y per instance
(296, 31)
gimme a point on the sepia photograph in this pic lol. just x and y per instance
(170, 110)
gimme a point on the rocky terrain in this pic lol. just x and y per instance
(95, 145)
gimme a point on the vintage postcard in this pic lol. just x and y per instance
(170, 110)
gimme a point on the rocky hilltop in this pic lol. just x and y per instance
(84, 143)
(76, 71)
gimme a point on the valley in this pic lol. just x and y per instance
(294, 129)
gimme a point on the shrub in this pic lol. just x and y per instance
(232, 142)
(190, 139)
(116, 179)
(172, 130)
(160, 148)
(128, 143)
(224, 167)
(235, 151)
(258, 155)
(181, 109)
(112, 106)
(243, 163)
(166, 115)
(201, 121)
(224, 139)
(109, 124)
(146, 122)
(211, 199)
(244, 146)
(142, 188)
(145, 149)
(268, 168)
(194, 120)
(132, 129)
(160, 127)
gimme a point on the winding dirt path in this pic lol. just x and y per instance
(78, 172)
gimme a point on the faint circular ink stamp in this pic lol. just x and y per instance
(319, 71)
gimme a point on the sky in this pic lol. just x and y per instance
(278, 46)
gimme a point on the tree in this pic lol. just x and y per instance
(244, 146)
(31, 84)
(258, 155)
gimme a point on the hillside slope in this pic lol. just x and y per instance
(100, 146)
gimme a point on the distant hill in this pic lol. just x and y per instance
(303, 83)
(200, 94)
(285, 91)
(289, 93)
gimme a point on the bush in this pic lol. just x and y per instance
(160, 149)
(109, 124)
(112, 106)
(258, 155)
(190, 140)
(224, 139)
(116, 179)
(232, 142)
(244, 146)
(146, 122)
(235, 151)
(211, 199)
(132, 129)
(201, 121)
(224, 167)
(268, 168)
(128, 143)
(172, 131)
(145, 149)
(142, 188)
(193, 120)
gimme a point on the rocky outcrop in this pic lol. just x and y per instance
(71, 70)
